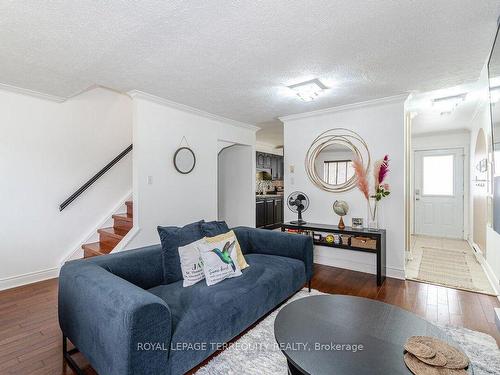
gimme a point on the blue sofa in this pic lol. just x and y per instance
(121, 315)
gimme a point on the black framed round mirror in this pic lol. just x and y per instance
(184, 160)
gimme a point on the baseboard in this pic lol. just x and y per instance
(487, 270)
(126, 240)
(28, 278)
(395, 273)
(476, 248)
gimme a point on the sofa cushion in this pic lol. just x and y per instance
(216, 314)
(171, 238)
(214, 228)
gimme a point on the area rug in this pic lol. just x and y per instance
(454, 268)
(255, 353)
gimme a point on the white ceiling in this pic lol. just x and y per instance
(271, 133)
(234, 58)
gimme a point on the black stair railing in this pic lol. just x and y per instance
(94, 178)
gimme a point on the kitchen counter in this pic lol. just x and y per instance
(267, 196)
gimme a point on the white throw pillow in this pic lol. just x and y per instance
(191, 263)
(220, 260)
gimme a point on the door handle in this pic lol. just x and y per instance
(417, 199)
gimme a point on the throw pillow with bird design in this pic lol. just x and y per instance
(229, 236)
(219, 260)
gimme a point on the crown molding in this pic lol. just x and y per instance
(94, 87)
(36, 94)
(185, 108)
(346, 107)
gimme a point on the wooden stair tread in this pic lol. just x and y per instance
(123, 217)
(98, 248)
(118, 233)
(109, 237)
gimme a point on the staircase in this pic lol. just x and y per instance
(109, 237)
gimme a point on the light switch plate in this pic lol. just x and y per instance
(292, 168)
(150, 180)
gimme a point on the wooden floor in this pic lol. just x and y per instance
(30, 340)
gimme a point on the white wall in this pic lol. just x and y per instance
(381, 124)
(443, 140)
(173, 198)
(47, 151)
(236, 186)
(482, 120)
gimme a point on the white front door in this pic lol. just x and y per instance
(439, 193)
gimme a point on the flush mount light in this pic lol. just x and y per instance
(309, 90)
(446, 105)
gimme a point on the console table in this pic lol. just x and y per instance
(378, 236)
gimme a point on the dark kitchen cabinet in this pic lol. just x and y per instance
(260, 160)
(281, 172)
(260, 213)
(267, 160)
(268, 212)
(270, 161)
(274, 167)
(278, 211)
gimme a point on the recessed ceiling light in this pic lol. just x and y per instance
(308, 90)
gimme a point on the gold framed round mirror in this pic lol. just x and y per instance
(329, 159)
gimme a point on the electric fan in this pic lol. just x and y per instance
(298, 202)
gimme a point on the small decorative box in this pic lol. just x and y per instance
(364, 242)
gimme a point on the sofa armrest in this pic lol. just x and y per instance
(120, 328)
(142, 267)
(263, 241)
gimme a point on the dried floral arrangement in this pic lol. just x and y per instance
(380, 189)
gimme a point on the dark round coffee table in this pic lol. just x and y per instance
(323, 335)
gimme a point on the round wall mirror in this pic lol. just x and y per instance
(329, 159)
(184, 160)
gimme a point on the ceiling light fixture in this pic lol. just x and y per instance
(446, 105)
(309, 90)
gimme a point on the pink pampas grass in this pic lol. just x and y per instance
(360, 172)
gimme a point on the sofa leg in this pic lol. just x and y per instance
(309, 285)
(67, 357)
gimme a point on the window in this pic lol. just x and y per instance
(438, 175)
(338, 172)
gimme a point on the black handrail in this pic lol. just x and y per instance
(86, 185)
